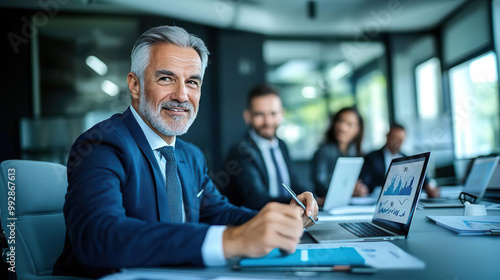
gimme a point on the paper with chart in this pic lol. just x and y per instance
(399, 191)
(380, 255)
(468, 224)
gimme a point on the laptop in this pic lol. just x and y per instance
(394, 210)
(494, 183)
(479, 177)
(344, 178)
(493, 190)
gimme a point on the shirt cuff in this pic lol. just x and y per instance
(212, 250)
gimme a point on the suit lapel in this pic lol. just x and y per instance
(189, 190)
(259, 161)
(142, 142)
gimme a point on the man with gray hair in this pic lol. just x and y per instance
(140, 197)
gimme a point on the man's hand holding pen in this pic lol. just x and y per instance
(275, 226)
(310, 214)
(307, 203)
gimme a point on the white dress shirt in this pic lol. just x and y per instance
(388, 157)
(265, 146)
(212, 251)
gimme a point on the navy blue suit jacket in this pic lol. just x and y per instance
(248, 186)
(116, 207)
(373, 171)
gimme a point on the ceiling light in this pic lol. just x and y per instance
(340, 70)
(97, 65)
(309, 92)
(110, 88)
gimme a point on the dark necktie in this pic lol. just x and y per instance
(281, 190)
(174, 189)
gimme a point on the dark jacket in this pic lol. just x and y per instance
(373, 170)
(248, 183)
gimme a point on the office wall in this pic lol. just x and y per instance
(16, 79)
(240, 67)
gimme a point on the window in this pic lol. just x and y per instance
(371, 93)
(475, 109)
(428, 86)
(83, 65)
(315, 79)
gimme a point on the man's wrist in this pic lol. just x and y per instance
(212, 248)
(230, 244)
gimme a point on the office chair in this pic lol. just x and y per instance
(39, 193)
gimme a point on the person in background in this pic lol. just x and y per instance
(342, 139)
(377, 163)
(261, 158)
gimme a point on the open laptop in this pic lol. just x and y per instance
(344, 178)
(479, 177)
(493, 190)
(494, 183)
(395, 207)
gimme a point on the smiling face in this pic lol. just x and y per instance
(169, 97)
(265, 115)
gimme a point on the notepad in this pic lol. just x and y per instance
(306, 258)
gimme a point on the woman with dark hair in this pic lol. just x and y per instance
(342, 139)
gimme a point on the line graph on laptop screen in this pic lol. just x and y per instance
(399, 191)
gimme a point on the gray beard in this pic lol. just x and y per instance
(153, 115)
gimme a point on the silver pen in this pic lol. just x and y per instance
(294, 196)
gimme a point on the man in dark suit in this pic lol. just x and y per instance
(377, 163)
(138, 196)
(262, 159)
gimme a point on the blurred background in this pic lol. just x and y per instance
(430, 65)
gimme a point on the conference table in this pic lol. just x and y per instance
(447, 256)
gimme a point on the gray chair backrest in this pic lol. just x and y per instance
(40, 229)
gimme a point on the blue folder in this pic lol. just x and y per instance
(306, 259)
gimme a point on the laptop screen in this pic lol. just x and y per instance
(480, 175)
(398, 198)
(494, 183)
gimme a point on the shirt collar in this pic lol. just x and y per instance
(388, 153)
(154, 140)
(263, 142)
